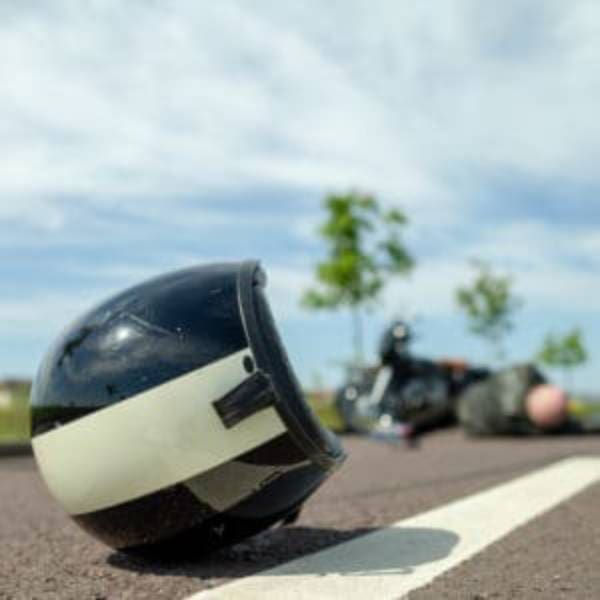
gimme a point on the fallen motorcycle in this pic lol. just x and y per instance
(402, 390)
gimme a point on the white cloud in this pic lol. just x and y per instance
(113, 112)
(388, 97)
(553, 269)
(43, 315)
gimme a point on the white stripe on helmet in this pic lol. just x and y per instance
(157, 438)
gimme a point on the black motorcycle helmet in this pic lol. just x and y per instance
(395, 341)
(168, 419)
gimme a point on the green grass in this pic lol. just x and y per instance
(324, 407)
(14, 418)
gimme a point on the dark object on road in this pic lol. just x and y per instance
(168, 419)
(516, 401)
(416, 393)
(23, 449)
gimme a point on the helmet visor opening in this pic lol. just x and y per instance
(319, 444)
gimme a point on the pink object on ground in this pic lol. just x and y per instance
(546, 406)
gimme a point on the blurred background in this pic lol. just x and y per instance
(142, 137)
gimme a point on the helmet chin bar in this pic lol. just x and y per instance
(168, 419)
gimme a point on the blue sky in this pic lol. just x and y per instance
(140, 137)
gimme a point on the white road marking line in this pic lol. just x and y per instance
(391, 562)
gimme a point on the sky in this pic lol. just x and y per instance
(141, 137)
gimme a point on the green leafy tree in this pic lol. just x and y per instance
(364, 249)
(565, 352)
(489, 305)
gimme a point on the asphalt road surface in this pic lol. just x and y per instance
(44, 555)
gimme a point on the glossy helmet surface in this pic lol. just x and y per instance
(169, 419)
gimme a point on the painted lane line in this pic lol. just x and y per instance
(391, 562)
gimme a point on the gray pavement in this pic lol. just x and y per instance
(554, 557)
(43, 554)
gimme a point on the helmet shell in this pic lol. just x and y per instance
(169, 418)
